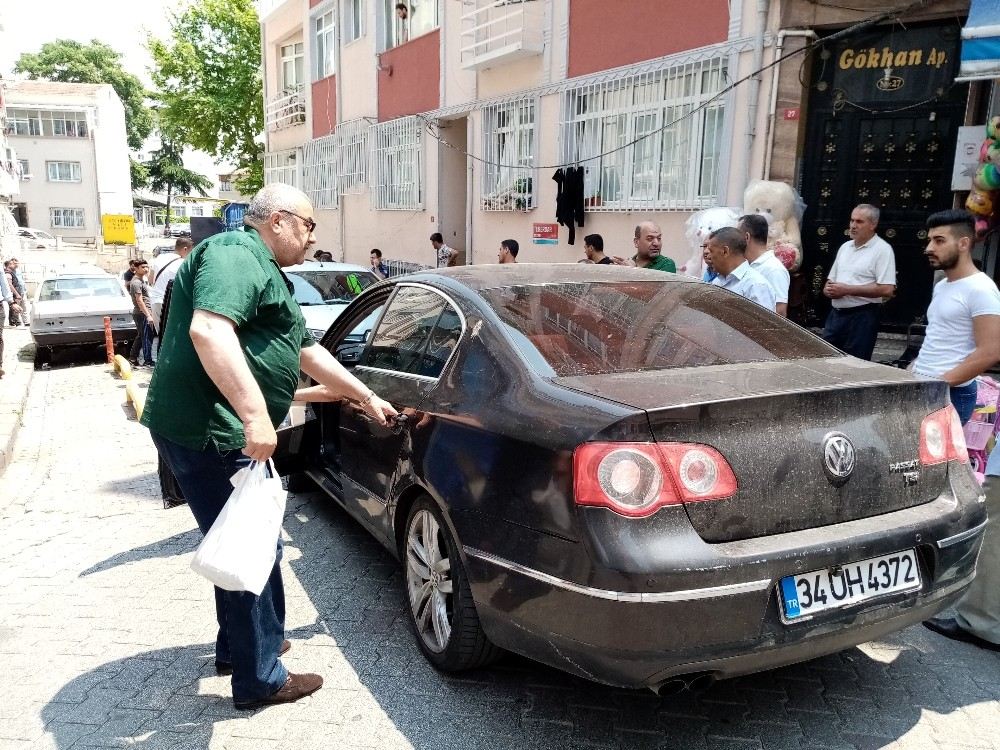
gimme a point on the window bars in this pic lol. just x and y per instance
(509, 148)
(397, 164)
(352, 161)
(336, 164)
(676, 166)
(319, 173)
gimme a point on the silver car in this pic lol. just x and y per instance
(323, 290)
(70, 306)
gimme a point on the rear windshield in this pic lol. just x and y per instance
(594, 328)
(70, 288)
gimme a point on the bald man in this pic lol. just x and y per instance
(234, 343)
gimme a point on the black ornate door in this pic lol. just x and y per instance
(884, 136)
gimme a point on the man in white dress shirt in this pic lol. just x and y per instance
(726, 248)
(754, 226)
(862, 277)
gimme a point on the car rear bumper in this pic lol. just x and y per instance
(81, 337)
(732, 624)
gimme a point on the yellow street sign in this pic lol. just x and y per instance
(119, 229)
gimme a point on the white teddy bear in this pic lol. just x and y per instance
(783, 208)
(698, 227)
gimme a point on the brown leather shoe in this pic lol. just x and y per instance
(224, 668)
(295, 687)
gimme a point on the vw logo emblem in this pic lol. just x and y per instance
(838, 457)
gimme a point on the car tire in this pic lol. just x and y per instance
(440, 605)
(43, 356)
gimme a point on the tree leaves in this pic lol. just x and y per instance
(208, 79)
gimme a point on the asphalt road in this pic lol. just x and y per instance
(106, 635)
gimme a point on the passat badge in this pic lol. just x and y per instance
(838, 457)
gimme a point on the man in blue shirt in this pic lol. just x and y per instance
(726, 250)
(379, 267)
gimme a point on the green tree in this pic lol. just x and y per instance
(207, 78)
(167, 173)
(73, 62)
(251, 178)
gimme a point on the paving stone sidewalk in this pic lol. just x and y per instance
(106, 636)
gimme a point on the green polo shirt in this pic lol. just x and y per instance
(661, 263)
(234, 275)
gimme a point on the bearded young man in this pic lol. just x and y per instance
(963, 320)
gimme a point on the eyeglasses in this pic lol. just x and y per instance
(310, 223)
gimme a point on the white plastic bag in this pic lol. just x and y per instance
(237, 553)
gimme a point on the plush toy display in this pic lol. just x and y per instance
(783, 209)
(698, 227)
(986, 182)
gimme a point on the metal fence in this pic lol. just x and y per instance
(674, 159)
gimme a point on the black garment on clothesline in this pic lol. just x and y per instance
(569, 199)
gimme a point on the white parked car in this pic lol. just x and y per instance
(323, 290)
(69, 309)
(32, 239)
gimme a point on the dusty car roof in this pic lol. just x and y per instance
(491, 276)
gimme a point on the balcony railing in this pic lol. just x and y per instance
(495, 32)
(286, 110)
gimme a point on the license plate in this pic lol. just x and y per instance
(806, 594)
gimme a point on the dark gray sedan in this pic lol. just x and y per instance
(639, 478)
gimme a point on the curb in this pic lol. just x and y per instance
(13, 390)
(135, 395)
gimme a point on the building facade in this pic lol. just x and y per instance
(453, 116)
(72, 155)
(10, 178)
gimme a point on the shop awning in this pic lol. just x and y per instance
(981, 42)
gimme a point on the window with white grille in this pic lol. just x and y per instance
(67, 218)
(397, 158)
(354, 21)
(319, 171)
(509, 152)
(282, 166)
(352, 155)
(22, 165)
(646, 140)
(63, 171)
(324, 28)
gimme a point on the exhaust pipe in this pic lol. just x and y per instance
(695, 683)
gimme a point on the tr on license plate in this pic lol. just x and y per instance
(820, 590)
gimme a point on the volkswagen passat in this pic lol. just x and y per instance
(636, 477)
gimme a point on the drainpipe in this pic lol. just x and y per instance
(773, 104)
(754, 90)
(338, 103)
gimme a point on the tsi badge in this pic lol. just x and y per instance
(838, 457)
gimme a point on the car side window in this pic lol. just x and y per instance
(416, 335)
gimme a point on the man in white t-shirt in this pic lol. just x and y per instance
(164, 268)
(863, 276)
(725, 249)
(963, 320)
(762, 260)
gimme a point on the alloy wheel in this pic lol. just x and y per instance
(428, 580)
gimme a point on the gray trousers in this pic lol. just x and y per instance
(979, 610)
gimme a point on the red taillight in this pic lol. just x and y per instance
(636, 479)
(942, 438)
